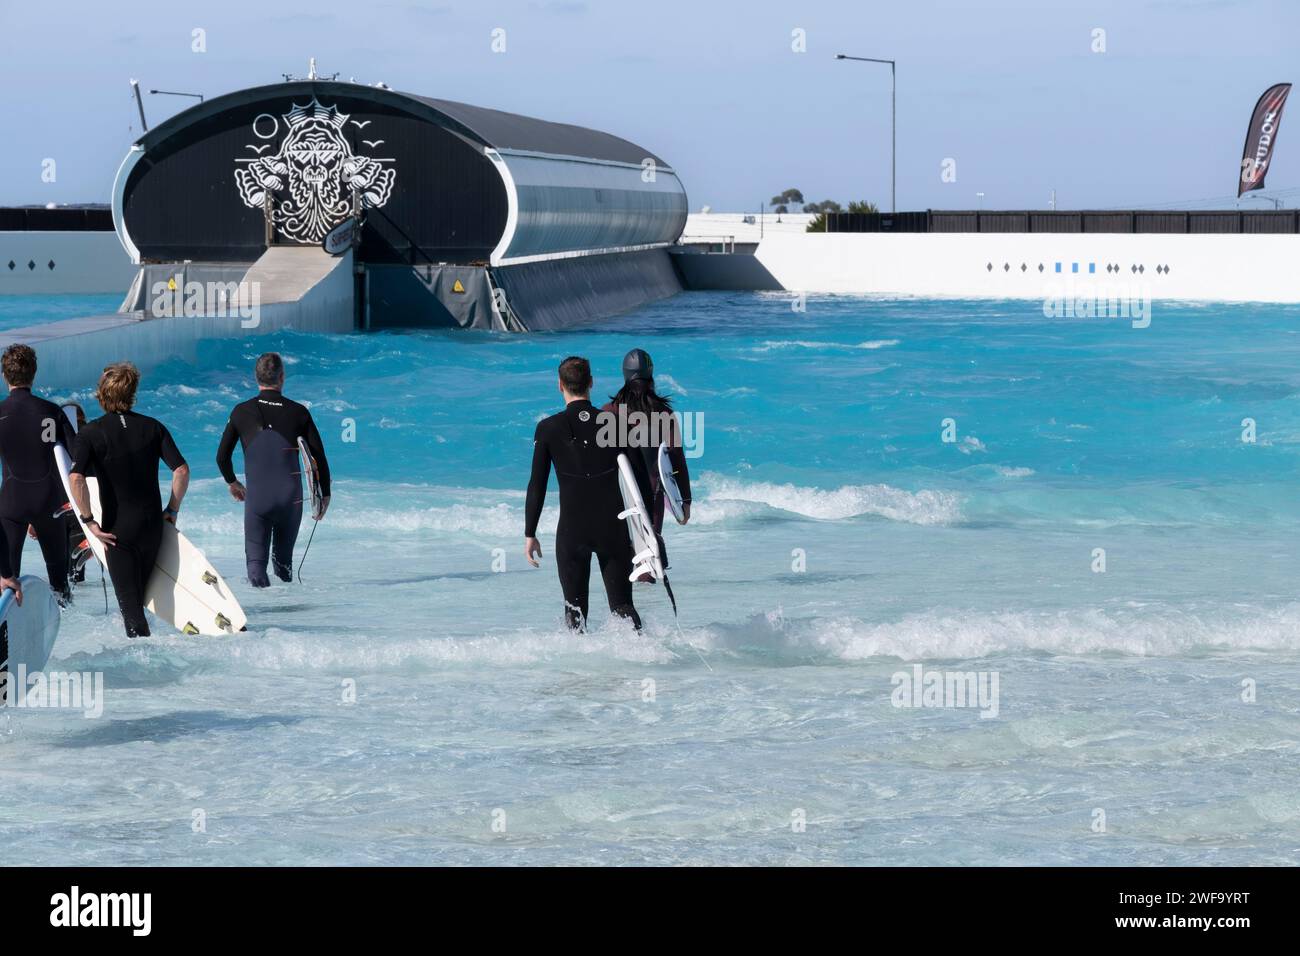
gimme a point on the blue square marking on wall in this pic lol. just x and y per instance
(1074, 267)
(1092, 267)
(1058, 267)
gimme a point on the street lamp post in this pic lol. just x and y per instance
(893, 123)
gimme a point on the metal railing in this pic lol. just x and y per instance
(727, 243)
(1144, 221)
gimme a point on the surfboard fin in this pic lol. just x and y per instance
(223, 622)
(210, 578)
(629, 512)
(189, 629)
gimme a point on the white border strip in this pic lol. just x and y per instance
(119, 199)
(512, 210)
(532, 154)
(576, 253)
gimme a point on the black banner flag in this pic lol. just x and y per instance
(1261, 138)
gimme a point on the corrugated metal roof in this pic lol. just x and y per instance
(502, 130)
(494, 128)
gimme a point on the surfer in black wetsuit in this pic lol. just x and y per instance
(590, 501)
(268, 428)
(638, 397)
(122, 450)
(32, 495)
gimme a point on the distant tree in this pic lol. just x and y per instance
(819, 210)
(780, 209)
(861, 205)
(788, 198)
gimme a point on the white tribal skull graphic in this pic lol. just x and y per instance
(316, 165)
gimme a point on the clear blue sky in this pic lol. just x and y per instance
(1011, 90)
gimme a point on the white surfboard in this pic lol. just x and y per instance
(27, 633)
(185, 590)
(672, 494)
(645, 545)
(64, 462)
(311, 475)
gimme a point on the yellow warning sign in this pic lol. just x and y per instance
(171, 284)
(457, 287)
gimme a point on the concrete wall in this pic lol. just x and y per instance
(72, 353)
(1247, 268)
(84, 262)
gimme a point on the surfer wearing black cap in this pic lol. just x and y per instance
(590, 501)
(268, 427)
(650, 422)
(122, 450)
(32, 495)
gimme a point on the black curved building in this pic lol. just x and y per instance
(466, 215)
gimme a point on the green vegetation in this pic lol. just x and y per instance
(820, 209)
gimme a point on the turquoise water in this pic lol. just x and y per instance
(837, 540)
(21, 311)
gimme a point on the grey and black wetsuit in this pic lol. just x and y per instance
(32, 493)
(268, 428)
(589, 505)
(122, 451)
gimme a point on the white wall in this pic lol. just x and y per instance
(84, 262)
(1216, 267)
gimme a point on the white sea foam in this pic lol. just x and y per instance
(925, 507)
(1154, 632)
(872, 344)
(284, 651)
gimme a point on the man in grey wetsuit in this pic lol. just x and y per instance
(268, 427)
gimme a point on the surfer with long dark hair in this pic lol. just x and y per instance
(639, 397)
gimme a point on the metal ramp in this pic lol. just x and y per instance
(287, 273)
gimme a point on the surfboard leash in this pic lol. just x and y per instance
(669, 589)
(314, 526)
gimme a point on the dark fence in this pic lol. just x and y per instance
(68, 219)
(1055, 221)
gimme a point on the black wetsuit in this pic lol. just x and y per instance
(122, 451)
(646, 467)
(589, 505)
(32, 493)
(268, 428)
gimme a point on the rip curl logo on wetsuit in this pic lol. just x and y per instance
(584, 416)
(316, 165)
